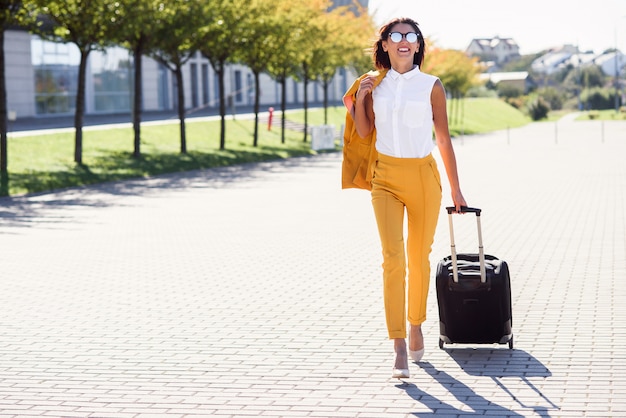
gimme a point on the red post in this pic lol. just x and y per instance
(269, 120)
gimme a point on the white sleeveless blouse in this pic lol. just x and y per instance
(404, 114)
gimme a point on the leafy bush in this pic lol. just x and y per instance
(517, 102)
(598, 98)
(554, 97)
(538, 109)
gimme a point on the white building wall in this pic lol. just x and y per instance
(270, 93)
(150, 85)
(20, 77)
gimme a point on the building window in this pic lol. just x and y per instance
(205, 84)
(162, 87)
(194, 85)
(238, 87)
(56, 76)
(108, 79)
(111, 77)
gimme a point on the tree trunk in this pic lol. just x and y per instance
(3, 109)
(181, 108)
(462, 121)
(452, 110)
(4, 173)
(137, 99)
(306, 104)
(220, 73)
(283, 105)
(257, 100)
(325, 84)
(80, 105)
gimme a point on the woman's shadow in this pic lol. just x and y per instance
(493, 363)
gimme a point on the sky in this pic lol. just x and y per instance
(535, 25)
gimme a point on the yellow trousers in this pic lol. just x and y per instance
(412, 185)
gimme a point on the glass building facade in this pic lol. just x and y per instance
(56, 76)
(55, 66)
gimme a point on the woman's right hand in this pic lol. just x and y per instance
(363, 110)
(365, 87)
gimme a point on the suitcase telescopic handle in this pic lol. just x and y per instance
(481, 253)
(464, 209)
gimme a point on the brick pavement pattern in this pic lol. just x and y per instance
(256, 291)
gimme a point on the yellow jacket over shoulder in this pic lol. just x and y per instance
(359, 154)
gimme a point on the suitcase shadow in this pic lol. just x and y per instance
(498, 364)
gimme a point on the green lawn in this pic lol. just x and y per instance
(603, 115)
(45, 162)
(481, 115)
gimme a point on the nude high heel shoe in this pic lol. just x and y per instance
(416, 355)
(400, 373)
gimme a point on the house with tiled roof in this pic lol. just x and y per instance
(497, 50)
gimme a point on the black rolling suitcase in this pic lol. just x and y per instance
(473, 294)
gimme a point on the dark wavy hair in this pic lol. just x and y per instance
(381, 58)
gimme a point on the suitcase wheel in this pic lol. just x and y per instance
(440, 343)
(511, 343)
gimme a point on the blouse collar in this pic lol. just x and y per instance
(408, 75)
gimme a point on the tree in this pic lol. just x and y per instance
(175, 39)
(253, 48)
(216, 40)
(11, 12)
(88, 25)
(316, 33)
(350, 49)
(457, 72)
(325, 52)
(290, 42)
(363, 35)
(135, 27)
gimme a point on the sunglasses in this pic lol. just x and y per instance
(410, 37)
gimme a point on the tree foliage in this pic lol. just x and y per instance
(457, 72)
(348, 50)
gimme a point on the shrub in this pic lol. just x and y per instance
(598, 98)
(517, 102)
(554, 97)
(538, 109)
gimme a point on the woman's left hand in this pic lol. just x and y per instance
(458, 200)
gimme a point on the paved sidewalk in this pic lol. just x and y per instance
(256, 291)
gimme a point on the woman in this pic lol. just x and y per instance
(401, 113)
